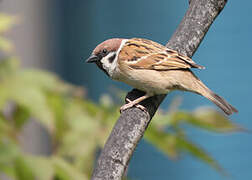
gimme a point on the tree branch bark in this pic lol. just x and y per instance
(131, 125)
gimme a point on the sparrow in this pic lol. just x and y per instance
(152, 68)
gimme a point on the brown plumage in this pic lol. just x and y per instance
(153, 68)
(150, 55)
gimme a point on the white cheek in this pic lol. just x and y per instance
(108, 66)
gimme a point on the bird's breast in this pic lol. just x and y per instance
(150, 81)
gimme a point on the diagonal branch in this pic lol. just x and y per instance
(133, 122)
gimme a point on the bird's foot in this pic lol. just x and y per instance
(131, 104)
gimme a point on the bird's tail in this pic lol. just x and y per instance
(216, 99)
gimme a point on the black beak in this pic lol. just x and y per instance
(92, 58)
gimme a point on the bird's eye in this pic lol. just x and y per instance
(104, 51)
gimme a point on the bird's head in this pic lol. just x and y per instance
(105, 55)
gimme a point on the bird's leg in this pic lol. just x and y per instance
(135, 103)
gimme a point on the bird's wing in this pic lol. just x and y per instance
(147, 54)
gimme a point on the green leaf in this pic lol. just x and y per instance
(91, 108)
(65, 171)
(199, 153)
(214, 121)
(206, 119)
(81, 125)
(41, 167)
(9, 151)
(165, 142)
(44, 80)
(5, 128)
(20, 116)
(106, 101)
(27, 97)
(162, 119)
(171, 145)
(6, 22)
(59, 106)
(5, 45)
(23, 169)
(8, 67)
(35, 101)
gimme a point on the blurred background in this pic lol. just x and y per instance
(58, 35)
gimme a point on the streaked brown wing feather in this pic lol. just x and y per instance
(162, 62)
(173, 60)
(150, 55)
(183, 59)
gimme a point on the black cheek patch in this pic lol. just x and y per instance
(99, 64)
(112, 58)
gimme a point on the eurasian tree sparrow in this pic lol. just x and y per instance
(152, 68)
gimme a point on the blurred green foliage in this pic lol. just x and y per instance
(77, 126)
